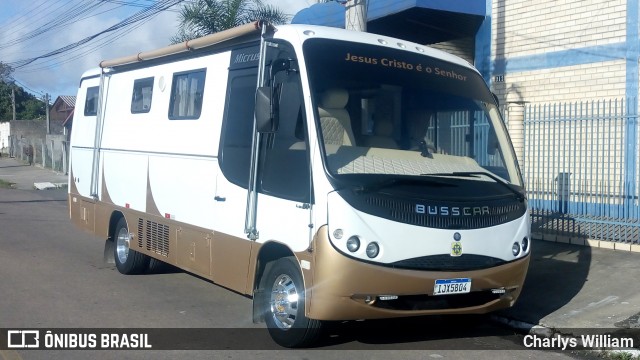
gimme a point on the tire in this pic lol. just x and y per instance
(285, 316)
(158, 266)
(128, 261)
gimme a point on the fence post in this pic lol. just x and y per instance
(630, 150)
(64, 158)
(515, 124)
(53, 156)
(43, 153)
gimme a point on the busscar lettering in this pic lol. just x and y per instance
(452, 210)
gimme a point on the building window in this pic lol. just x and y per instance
(186, 95)
(91, 102)
(142, 93)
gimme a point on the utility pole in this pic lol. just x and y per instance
(356, 15)
(46, 109)
(13, 101)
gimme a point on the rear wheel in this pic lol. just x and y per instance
(128, 261)
(285, 307)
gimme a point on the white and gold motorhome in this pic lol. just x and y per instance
(329, 174)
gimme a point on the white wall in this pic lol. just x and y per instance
(553, 50)
(4, 136)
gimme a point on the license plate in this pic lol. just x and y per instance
(452, 286)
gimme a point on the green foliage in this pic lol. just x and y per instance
(5, 73)
(28, 107)
(203, 17)
(619, 355)
(5, 184)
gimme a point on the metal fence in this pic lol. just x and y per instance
(52, 154)
(581, 169)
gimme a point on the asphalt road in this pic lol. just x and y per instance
(52, 275)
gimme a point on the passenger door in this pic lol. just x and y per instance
(284, 176)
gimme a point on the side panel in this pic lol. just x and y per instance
(163, 174)
(82, 141)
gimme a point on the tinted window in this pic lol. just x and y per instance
(91, 102)
(284, 156)
(142, 93)
(235, 157)
(286, 173)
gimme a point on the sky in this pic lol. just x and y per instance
(31, 29)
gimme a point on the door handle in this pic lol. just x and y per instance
(220, 198)
(303, 206)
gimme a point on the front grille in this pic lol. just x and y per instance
(403, 210)
(445, 262)
(153, 236)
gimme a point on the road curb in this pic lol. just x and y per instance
(49, 185)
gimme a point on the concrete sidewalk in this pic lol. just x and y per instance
(29, 177)
(569, 288)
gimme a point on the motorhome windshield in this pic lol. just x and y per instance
(385, 111)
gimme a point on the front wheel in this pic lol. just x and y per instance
(285, 308)
(128, 261)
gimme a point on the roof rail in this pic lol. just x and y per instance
(198, 43)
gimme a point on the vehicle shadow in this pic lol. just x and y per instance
(557, 272)
(448, 332)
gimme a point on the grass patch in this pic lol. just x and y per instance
(6, 184)
(620, 355)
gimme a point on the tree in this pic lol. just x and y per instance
(28, 107)
(6, 72)
(203, 17)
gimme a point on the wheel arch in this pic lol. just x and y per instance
(109, 243)
(268, 254)
(113, 221)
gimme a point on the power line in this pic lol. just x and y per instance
(47, 64)
(139, 16)
(59, 21)
(26, 17)
(26, 87)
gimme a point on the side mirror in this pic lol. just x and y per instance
(266, 110)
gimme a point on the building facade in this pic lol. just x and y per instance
(528, 51)
(566, 74)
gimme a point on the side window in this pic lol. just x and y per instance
(284, 155)
(186, 95)
(235, 150)
(286, 172)
(91, 102)
(142, 94)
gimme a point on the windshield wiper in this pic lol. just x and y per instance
(361, 188)
(493, 177)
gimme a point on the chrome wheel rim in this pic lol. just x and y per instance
(122, 245)
(284, 301)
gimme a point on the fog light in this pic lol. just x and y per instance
(338, 234)
(525, 244)
(353, 244)
(515, 249)
(372, 250)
